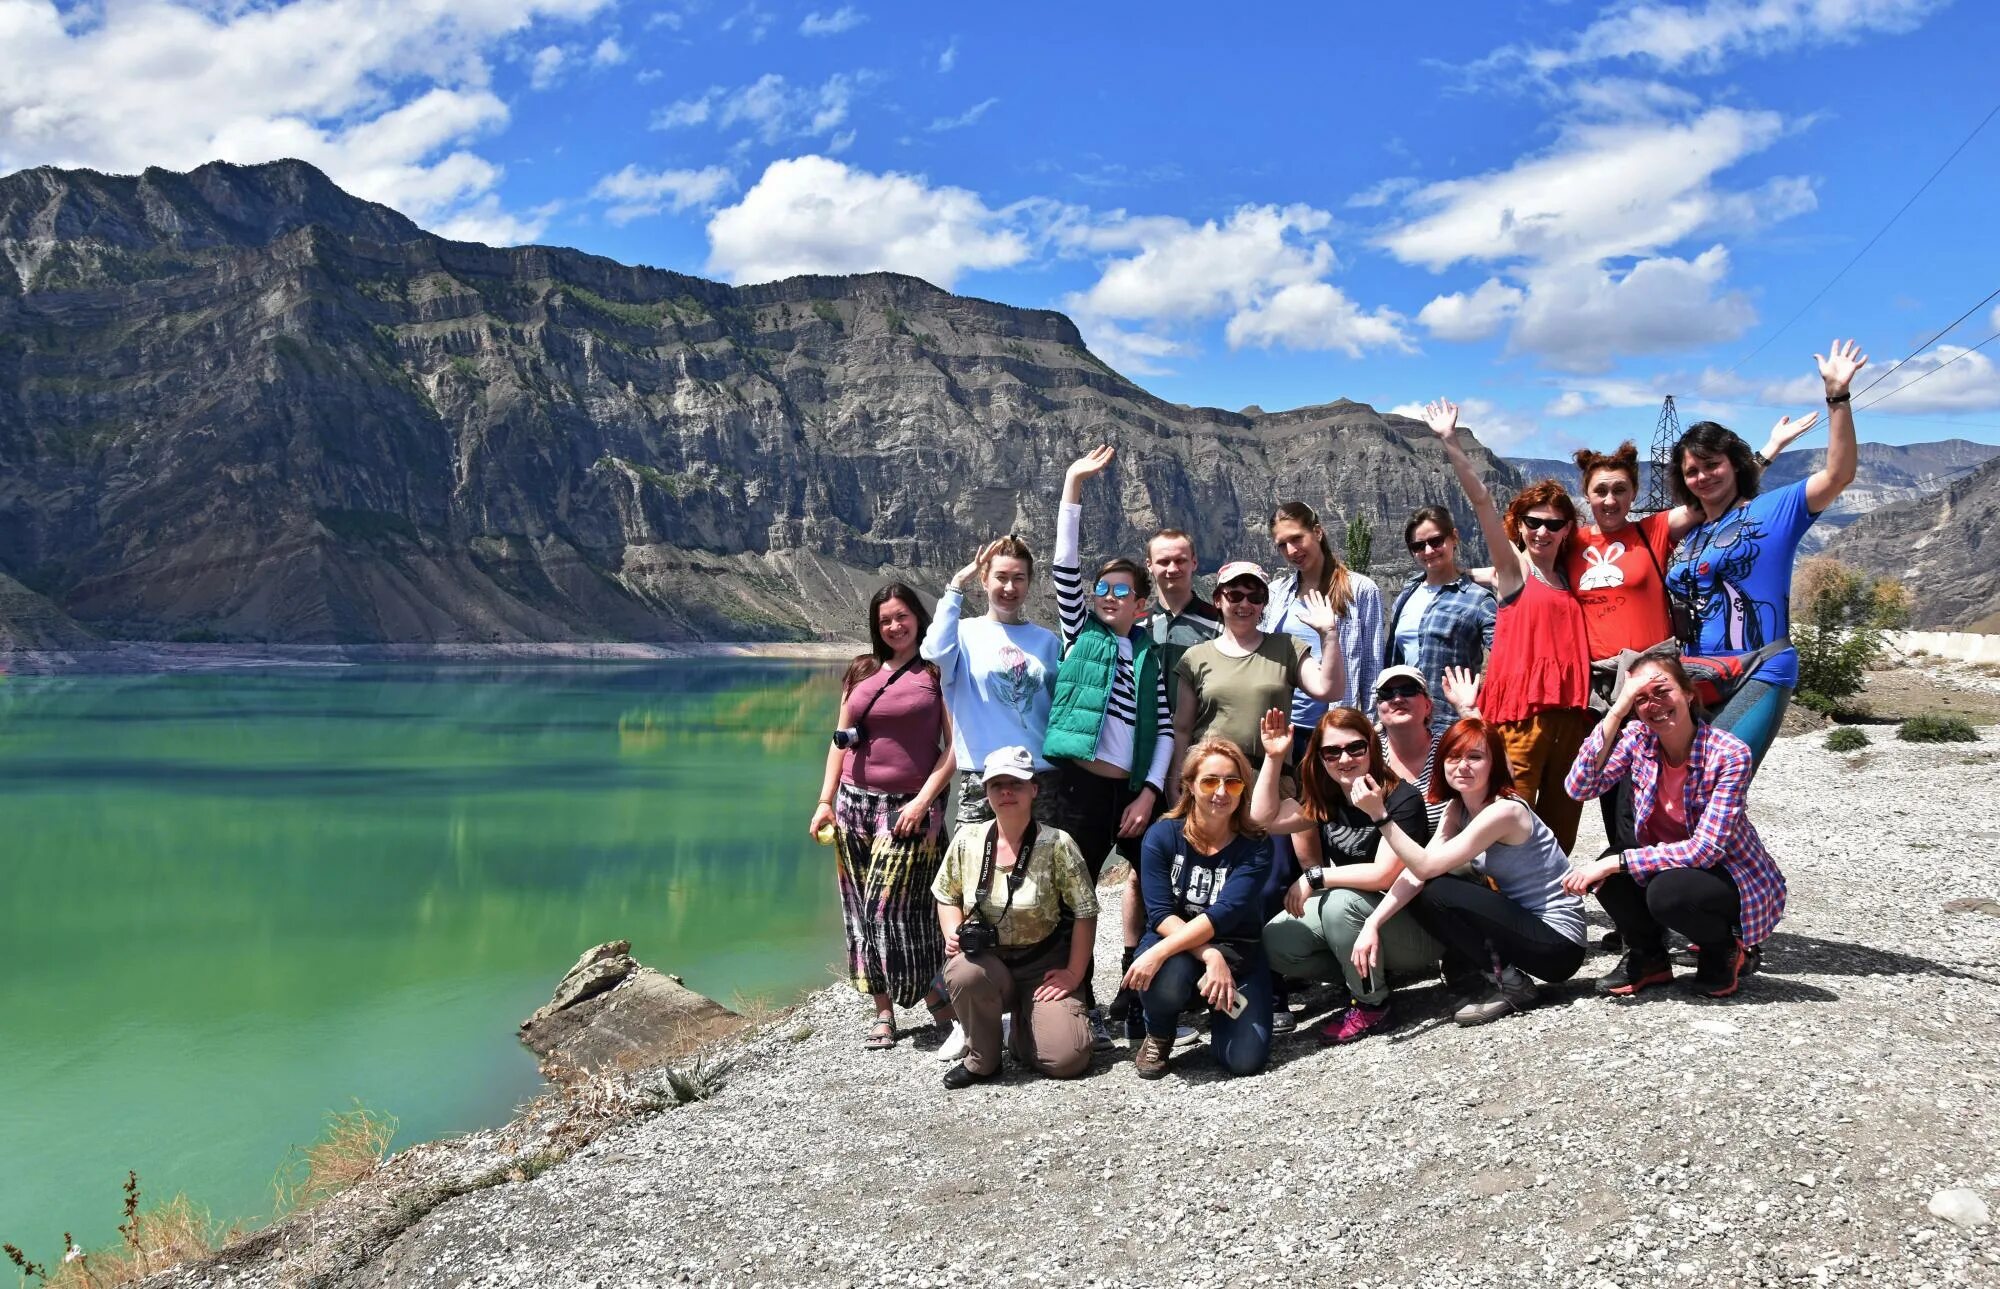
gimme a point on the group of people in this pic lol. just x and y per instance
(1306, 788)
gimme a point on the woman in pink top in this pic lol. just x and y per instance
(887, 776)
(1536, 693)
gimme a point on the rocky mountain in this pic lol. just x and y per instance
(1887, 473)
(1945, 548)
(241, 404)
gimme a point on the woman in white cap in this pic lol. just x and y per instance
(1019, 915)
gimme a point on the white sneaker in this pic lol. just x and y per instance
(1007, 1031)
(1185, 1034)
(953, 1046)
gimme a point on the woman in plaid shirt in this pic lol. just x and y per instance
(1699, 868)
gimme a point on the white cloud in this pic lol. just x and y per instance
(545, 68)
(1570, 402)
(1499, 429)
(485, 221)
(970, 116)
(1315, 315)
(1133, 352)
(1994, 321)
(949, 58)
(1702, 38)
(845, 18)
(609, 53)
(1581, 317)
(816, 215)
(1382, 192)
(771, 106)
(1459, 316)
(1946, 378)
(634, 193)
(385, 97)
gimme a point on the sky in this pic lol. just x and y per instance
(1553, 212)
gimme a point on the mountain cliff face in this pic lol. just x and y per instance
(1945, 548)
(241, 404)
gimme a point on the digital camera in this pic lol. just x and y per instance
(977, 936)
(847, 738)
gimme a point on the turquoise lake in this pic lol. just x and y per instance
(237, 901)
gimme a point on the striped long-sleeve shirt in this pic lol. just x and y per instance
(1719, 827)
(1121, 711)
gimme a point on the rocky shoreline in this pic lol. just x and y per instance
(1795, 1135)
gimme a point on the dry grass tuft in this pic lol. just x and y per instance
(352, 1146)
(150, 1241)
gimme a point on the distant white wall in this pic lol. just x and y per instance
(1963, 646)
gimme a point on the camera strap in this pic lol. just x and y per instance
(869, 706)
(1015, 875)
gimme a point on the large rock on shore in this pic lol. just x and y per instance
(612, 1013)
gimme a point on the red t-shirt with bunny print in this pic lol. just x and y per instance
(1618, 584)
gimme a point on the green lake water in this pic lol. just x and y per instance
(236, 901)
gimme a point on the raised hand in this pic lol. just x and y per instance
(967, 575)
(1092, 462)
(1275, 730)
(1635, 688)
(1442, 416)
(1316, 611)
(1787, 432)
(1844, 358)
(1460, 686)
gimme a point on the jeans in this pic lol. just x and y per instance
(1478, 922)
(1320, 946)
(1242, 1043)
(1754, 713)
(1088, 807)
(1700, 903)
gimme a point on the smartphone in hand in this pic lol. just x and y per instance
(1237, 1002)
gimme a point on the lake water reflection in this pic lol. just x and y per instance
(234, 902)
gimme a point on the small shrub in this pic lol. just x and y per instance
(1839, 617)
(149, 1242)
(1360, 543)
(1937, 729)
(352, 1145)
(1847, 738)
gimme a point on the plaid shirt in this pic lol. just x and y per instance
(1718, 777)
(1456, 631)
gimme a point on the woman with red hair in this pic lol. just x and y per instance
(1537, 686)
(1514, 920)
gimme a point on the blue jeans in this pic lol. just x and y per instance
(1753, 714)
(1242, 1043)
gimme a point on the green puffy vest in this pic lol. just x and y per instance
(1083, 689)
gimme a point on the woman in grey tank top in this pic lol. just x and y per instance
(1507, 915)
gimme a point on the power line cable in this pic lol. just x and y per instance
(1927, 375)
(1871, 241)
(1928, 343)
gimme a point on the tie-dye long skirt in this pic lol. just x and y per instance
(894, 946)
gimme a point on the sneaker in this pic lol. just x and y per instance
(1007, 1031)
(959, 1077)
(1100, 1036)
(1135, 1024)
(1357, 1021)
(1185, 1034)
(1635, 972)
(1150, 1061)
(953, 1046)
(1512, 991)
(1282, 1021)
(1718, 972)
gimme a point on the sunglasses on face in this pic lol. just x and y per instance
(1423, 544)
(1544, 524)
(1402, 689)
(1119, 592)
(1237, 595)
(1344, 752)
(1209, 784)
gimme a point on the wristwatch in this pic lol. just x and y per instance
(1316, 876)
(1621, 863)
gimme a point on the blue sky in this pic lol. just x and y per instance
(1554, 212)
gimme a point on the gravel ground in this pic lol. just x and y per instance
(1793, 1135)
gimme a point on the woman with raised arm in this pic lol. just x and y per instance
(881, 803)
(1203, 869)
(1442, 617)
(1356, 601)
(1733, 572)
(1515, 924)
(1347, 866)
(1111, 734)
(1536, 691)
(1699, 867)
(998, 672)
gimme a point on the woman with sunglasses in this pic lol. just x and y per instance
(1347, 865)
(1537, 686)
(1515, 920)
(1403, 715)
(1356, 601)
(1203, 870)
(1111, 733)
(1442, 618)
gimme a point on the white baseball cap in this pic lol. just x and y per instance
(1240, 568)
(1008, 763)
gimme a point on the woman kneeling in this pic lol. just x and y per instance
(1699, 868)
(1019, 915)
(1513, 920)
(1347, 865)
(1202, 871)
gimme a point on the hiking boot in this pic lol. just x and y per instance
(1100, 1036)
(959, 1077)
(1357, 1021)
(1282, 1021)
(1634, 972)
(1718, 972)
(1512, 991)
(1150, 1061)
